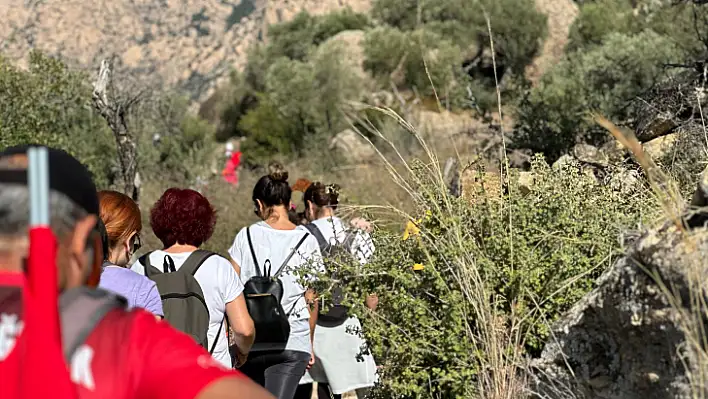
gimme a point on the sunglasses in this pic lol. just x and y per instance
(137, 243)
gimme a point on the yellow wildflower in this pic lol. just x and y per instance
(411, 230)
(418, 267)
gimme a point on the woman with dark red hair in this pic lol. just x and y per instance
(184, 220)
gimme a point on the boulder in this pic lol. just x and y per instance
(615, 151)
(589, 154)
(563, 162)
(526, 180)
(628, 338)
(478, 185)
(435, 124)
(659, 147)
(625, 181)
(352, 146)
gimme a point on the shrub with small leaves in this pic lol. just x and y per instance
(604, 79)
(51, 104)
(461, 270)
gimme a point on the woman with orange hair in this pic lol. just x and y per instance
(121, 218)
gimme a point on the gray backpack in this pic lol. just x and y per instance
(80, 311)
(182, 297)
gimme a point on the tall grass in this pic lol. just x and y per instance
(497, 339)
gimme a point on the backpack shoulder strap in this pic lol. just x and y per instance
(317, 233)
(218, 333)
(285, 262)
(349, 237)
(195, 261)
(145, 261)
(80, 310)
(253, 251)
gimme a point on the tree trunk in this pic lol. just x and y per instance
(114, 112)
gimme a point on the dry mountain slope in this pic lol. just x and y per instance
(185, 44)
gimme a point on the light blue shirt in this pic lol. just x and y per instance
(140, 291)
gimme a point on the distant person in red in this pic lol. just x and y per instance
(129, 354)
(230, 171)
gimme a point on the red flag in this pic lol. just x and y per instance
(42, 332)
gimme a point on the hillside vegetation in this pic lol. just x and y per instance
(470, 289)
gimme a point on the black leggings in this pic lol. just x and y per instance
(278, 372)
(304, 391)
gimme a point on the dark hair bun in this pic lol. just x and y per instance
(277, 172)
(332, 191)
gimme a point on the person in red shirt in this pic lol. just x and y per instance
(230, 171)
(127, 354)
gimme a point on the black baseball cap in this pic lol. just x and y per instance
(66, 175)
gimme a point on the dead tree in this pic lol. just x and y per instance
(115, 111)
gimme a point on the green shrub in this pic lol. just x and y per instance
(685, 25)
(268, 134)
(598, 19)
(518, 30)
(305, 104)
(186, 146)
(51, 104)
(517, 26)
(384, 49)
(302, 99)
(469, 269)
(295, 38)
(442, 59)
(603, 79)
(292, 39)
(332, 23)
(387, 48)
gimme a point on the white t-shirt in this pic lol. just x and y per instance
(220, 284)
(335, 231)
(275, 245)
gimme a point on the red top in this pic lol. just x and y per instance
(128, 355)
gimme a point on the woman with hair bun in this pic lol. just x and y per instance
(271, 241)
(120, 235)
(342, 360)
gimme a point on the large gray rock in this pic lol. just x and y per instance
(625, 339)
(592, 155)
(353, 147)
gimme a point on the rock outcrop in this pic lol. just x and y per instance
(637, 335)
(354, 148)
(189, 45)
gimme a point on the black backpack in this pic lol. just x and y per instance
(337, 313)
(264, 293)
(182, 297)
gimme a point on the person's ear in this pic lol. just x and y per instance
(82, 263)
(261, 208)
(311, 209)
(126, 248)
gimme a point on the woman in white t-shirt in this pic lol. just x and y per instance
(342, 360)
(183, 220)
(273, 239)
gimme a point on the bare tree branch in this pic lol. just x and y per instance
(114, 111)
